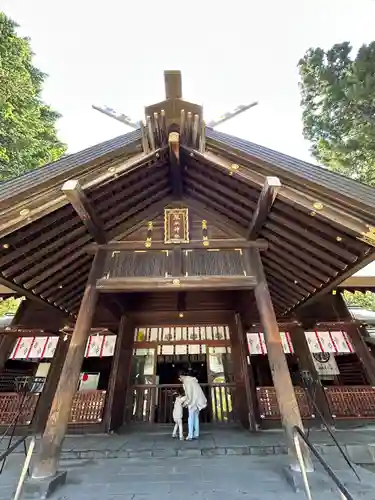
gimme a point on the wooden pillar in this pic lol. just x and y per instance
(49, 389)
(286, 398)
(306, 363)
(49, 452)
(120, 376)
(247, 373)
(7, 341)
(354, 332)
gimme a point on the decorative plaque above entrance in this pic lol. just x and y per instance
(176, 225)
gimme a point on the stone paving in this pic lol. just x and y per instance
(223, 463)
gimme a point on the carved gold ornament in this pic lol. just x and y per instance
(369, 236)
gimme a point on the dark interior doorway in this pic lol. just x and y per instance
(168, 372)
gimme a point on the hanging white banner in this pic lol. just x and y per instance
(318, 342)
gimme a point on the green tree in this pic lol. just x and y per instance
(27, 125)
(9, 306)
(359, 299)
(338, 101)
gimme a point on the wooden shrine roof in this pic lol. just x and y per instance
(318, 230)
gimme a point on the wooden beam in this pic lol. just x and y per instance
(267, 196)
(175, 284)
(286, 398)
(46, 463)
(342, 277)
(173, 84)
(260, 244)
(300, 198)
(47, 197)
(84, 209)
(360, 347)
(175, 164)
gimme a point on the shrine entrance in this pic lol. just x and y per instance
(161, 353)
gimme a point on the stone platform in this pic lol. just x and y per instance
(148, 442)
(147, 463)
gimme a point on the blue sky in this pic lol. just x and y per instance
(230, 53)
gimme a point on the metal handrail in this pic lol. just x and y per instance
(6, 453)
(25, 469)
(297, 434)
(322, 418)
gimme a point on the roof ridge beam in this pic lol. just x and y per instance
(305, 202)
(266, 199)
(175, 164)
(85, 211)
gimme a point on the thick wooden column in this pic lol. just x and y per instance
(306, 363)
(7, 341)
(120, 375)
(49, 389)
(247, 374)
(286, 398)
(47, 460)
(354, 332)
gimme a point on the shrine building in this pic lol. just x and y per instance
(177, 246)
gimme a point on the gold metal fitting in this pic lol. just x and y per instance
(318, 205)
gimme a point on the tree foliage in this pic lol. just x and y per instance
(9, 306)
(358, 299)
(338, 100)
(27, 125)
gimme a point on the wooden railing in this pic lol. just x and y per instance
(269, 408)
(154, 404)
(17, 408)
(345, 402)
(87, 407)
(351, 402)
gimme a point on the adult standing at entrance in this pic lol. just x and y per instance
(195, 401)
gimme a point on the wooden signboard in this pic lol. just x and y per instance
(176, 225)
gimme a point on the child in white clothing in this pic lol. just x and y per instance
(179, 403)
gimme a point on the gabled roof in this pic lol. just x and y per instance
(319, 229)
(288, 167)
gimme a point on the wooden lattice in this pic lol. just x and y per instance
(17, 407)
(351, 401)
(87, 407)
(269, 408)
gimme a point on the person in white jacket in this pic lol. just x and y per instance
(195, 401)
(179, 402)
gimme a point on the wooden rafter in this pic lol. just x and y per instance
(85, 210)
(304, 201)
(29, 295)
(221, 221)
(266, 199)
(41, 202)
